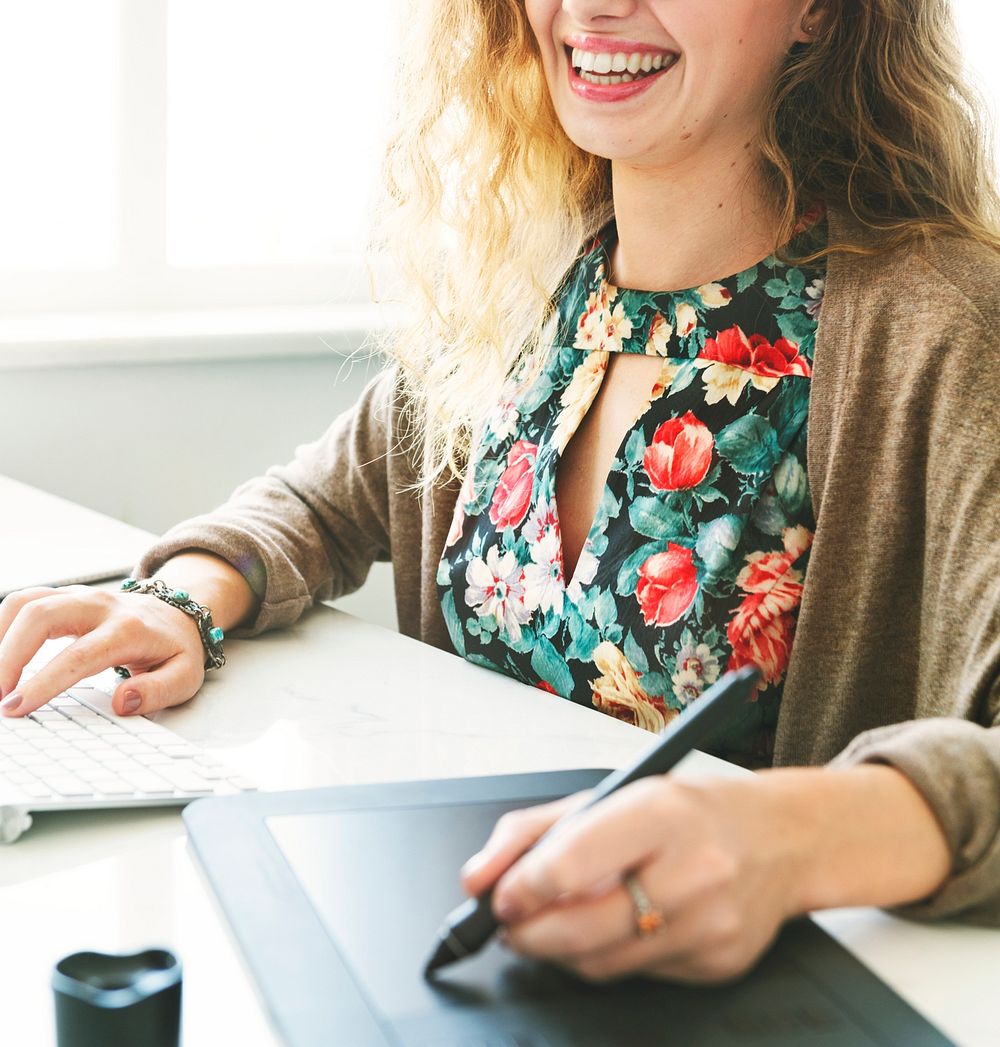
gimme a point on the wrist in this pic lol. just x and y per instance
(864, 836)
(213, 582)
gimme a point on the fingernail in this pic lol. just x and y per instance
(11, 702)
(473, 865)
(132, 701)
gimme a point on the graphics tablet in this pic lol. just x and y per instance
(335, 896)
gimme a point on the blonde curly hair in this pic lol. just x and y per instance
(486, 202)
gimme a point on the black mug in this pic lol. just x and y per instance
(104, 999)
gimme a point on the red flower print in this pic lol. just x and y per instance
(755, 354)
(759, 640)
(668, 584)
(542, 685)
(680, 454)
(763, 627)
(513, 494)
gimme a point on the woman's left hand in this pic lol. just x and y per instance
(715, 859)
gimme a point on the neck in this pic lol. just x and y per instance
(689, 224)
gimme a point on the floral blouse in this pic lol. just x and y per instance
(696, 558)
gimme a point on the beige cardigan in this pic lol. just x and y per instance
(897, 652)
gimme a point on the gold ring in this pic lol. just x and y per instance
(648, 919)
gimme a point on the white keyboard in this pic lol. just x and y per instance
(76, 753)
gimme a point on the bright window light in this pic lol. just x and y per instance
(275, 108)
(58, 97)
(979, 28)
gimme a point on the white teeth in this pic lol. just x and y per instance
(594, 66)
(602, 63)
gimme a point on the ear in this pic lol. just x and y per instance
(814, 18)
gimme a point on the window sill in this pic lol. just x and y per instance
(85, 339)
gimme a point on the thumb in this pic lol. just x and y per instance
(171, 683)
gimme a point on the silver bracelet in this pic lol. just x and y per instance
(211, 635)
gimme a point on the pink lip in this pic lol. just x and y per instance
(611, 45)
(610, 92)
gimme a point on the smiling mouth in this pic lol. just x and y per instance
(619, 67)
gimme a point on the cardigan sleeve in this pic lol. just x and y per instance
(951, 753)
(956, 767)
(307, 530)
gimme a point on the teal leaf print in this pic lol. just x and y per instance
(605, 610)
(797, 327)
(789, 414)
(790, 483)
(635, 654)
(746, 279)
(684, 376)
(749, 444)
(769, 515)
(776, 288)
(583, 637)
(454, 623)
(483, 662)
(537, 395)
(654, 519)
(796, 280)
(549, 666)
(609, 508)
(717, 542)
(656, 684)
(635, 448)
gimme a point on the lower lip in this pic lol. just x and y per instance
(612, 92)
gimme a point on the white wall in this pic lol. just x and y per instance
(152, 444)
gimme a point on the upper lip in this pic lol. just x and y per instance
(612, 45)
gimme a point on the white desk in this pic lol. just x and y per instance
(331, 701)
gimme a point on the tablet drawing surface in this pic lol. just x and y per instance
(360, 878)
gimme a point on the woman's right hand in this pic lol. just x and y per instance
(159, 644)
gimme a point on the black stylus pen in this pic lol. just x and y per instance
(469, 927)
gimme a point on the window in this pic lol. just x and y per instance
(187, 154)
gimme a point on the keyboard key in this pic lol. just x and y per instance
(105, 729)
(91, 743)
(170, 747)
(112, 787)
(185, 780)
(146, 782)
(91, 773)
(67, 786)
(46, 715)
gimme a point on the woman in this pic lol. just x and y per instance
(786, 218)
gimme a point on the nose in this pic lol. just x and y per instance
(594, 12)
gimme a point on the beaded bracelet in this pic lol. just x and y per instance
(211, 635)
